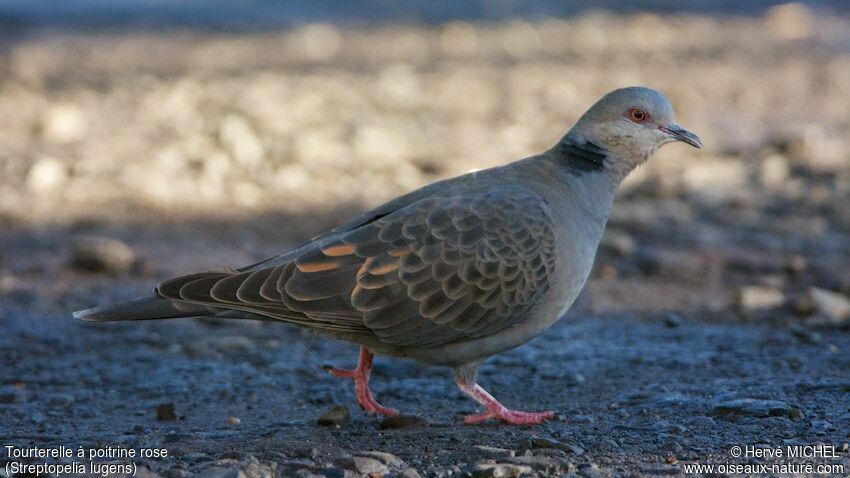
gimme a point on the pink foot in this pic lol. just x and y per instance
(360, 375)
(499, 411)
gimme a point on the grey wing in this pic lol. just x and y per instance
(440, 270)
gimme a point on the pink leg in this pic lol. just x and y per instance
(361, 384)
(497, 410)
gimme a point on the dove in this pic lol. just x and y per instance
(451, 273)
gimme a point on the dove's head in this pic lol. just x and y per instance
(630, 124)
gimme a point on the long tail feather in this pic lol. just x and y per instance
(144, 308)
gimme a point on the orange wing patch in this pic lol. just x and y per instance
(317, 266)
(338, 250)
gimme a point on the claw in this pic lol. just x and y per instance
(360, 375)
(497, 410)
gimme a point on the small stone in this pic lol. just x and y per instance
(388, 459)
(498, 470)
(65, 123)
(239, 137)
(102, 254)
(410, 473)
(363, 465)
(758, 408)
(231, 420)
(166, 412)
(790, 21)
(335, 417)
(46, 175)
(753, 298)
(11, 396)
(672, 320)
(401, 421)
(833, 305)
(546, 464)
(493, 452)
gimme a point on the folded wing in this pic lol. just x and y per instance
(439, 270)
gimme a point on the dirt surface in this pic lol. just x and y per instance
(717, 314)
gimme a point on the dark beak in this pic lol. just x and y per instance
(678, 133)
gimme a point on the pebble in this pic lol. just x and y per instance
(672, 320)
(102, 254)
(549, 443)
(337, 416)
(753, 298)
(498, 470)
(392, 461)
(493, 452)
(165, 412)
(833, 305)
(759, 408)
(47, 174)
(363, 465)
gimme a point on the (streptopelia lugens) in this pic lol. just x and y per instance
(451, 273)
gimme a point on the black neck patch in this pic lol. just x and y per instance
(581, 158)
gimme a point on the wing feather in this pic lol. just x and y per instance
(438, 270)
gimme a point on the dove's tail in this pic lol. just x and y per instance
(144, 308)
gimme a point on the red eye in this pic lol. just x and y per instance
(638, 115)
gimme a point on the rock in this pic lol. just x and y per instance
(410, 473)
(672, 320)
(549, 443)
(47, 174)
(319, 41)
(758, 408)
(493, 452)
(790, 21)
(231, 420)
(65, 123)
(166, 412)
(392, 461)
(335, 417)
(498, 470)
(546, 464)
(239, 137)
(362, 465)
(753, 298)
(833, 305)
(618, 242)
(12, 395)
(592, 470)
(102, 254)
(401, 421)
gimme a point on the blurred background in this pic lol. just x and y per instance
(141, 139)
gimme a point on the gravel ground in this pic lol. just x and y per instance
(717, 314)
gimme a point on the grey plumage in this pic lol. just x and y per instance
(455, 271)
